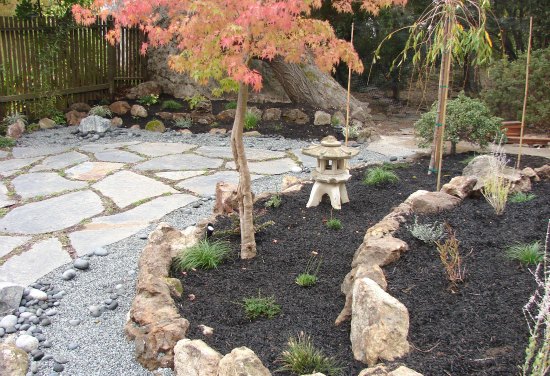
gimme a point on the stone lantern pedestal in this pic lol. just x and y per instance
(331, 173)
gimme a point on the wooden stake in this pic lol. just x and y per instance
(349, 88)
(526, 91)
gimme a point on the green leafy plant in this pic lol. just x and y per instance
(449, 254)
(148, 100)
(231, 105)
(335, 121)
(259, 306)
(428, 233)
(12, 118)
(529, 254)
(26, 9)
(32, 128)
(380, 176)
(309, 277)
(334, 224)
(504, 91)
(6, 142)
(467, 119)
(301, 357)
(521, 197)
(171, 104)
(102, 111)
(205, 254)
(250, 121)
(274, 201)
(183, 122)
(195, 100)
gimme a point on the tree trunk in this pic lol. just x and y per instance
(244, 192)
(305, 83)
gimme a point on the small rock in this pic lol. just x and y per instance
(72, 346)
(143, 236)
(74, 322)
(58, 367)
(112, 306)
(34, 367)
(68, 274)
(47, 344)
(37, 354)
(8, 321)
(35, 293)
(46, 321)
(101, 252)
(60, 359)
(81, 264)
(27, 343)
(95, 311)
(2, 332)
(393, 158)
(51, 312)
(296, 169)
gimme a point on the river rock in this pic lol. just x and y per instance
(27, 343)
(10, 296)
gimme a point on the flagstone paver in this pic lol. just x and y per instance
(118, 156)
(206, 185)
(4, 198)
(60, 161)
(110, 229)
(3, 154)
(41, 259)
(178, 162)
(305, 160)
(274, 167)
(43, 184)
(179, 175)
(92, 171)
(12, 166)
(126, 187)
(252, 154)
(94, 148)
(28, 152)
(9, 243)
(52, 214)
(158, 149)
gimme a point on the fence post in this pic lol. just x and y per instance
(111, 62)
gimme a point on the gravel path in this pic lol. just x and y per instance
(101, 346)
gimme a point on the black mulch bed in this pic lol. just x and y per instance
(273, 128)
(486, 325)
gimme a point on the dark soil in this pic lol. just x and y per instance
(464, 326)
(278, 128)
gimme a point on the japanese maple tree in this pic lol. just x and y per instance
(217, 39)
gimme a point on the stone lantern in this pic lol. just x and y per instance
(331, 173)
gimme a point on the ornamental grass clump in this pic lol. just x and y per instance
(205, 254)
(102, 111)
(250, 121)
(171, 104)
(309, 277)
(496, 187)
(259, 306)
(526, 253)
(537, 314)
(449, 254)
(301, 357)
(380, 176)
(427, 233)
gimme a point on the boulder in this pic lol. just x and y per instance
(379, 324)
(460, 186)
(143, 89)
(217, 131)
(256, 111)
(204, 106)
(530, 173)
(379, 251)
(543, 172)
(321, 118)
(204, 118)
(80, 107)
(14, 361)
(483, 166)
(226, 198)
(116, 122)
(16, 129)
(226, 116)
(338, 118)
(94, 123)
(74, 117)
(357, 124)
(119, 107)
(289, 181)
(424, 202)
(381, 370)
(154, 323)
(272, 114)
(295, 115)
(252, 134)
(165, 115)
(155, 126)
(180, 115)
(46, 123)
(387, 226)
(195, 358)
(135, 126)
(242, 362)
(138, 111)
(10, 297)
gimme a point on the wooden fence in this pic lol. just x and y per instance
(47, 62)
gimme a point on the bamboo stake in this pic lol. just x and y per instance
(526, 91)
(349, 88)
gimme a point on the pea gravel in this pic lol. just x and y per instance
(93, 346)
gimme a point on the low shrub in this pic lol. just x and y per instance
(528, 254)
(301, 357)
(231, 105)
(171, 104)
(273, 202)
(6, 142)
(380, 176)
(334, 224)
(521, 197)
(203, 255)
(265, 306)
(183, 123)
(102, 111)
(428, 233)
(148, 100)
(32, 128)
(195, 100)
(250, 121)
(467, 119)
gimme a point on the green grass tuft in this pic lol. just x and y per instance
(231, 105)
(6, 142)
(171, 104)
(526, 253)
(273, 202)
(250, 121)
(521, 197)
(203, 255)
(306, 280)
(265, 306)
(334, 224)
(301, 357)
(380, 176)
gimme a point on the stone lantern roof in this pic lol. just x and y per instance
(330, 148)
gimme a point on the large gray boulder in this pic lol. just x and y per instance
(94, 123)
(10, 297)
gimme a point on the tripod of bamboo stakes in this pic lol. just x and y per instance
(526, 91)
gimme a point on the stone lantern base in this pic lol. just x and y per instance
(336, 192)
